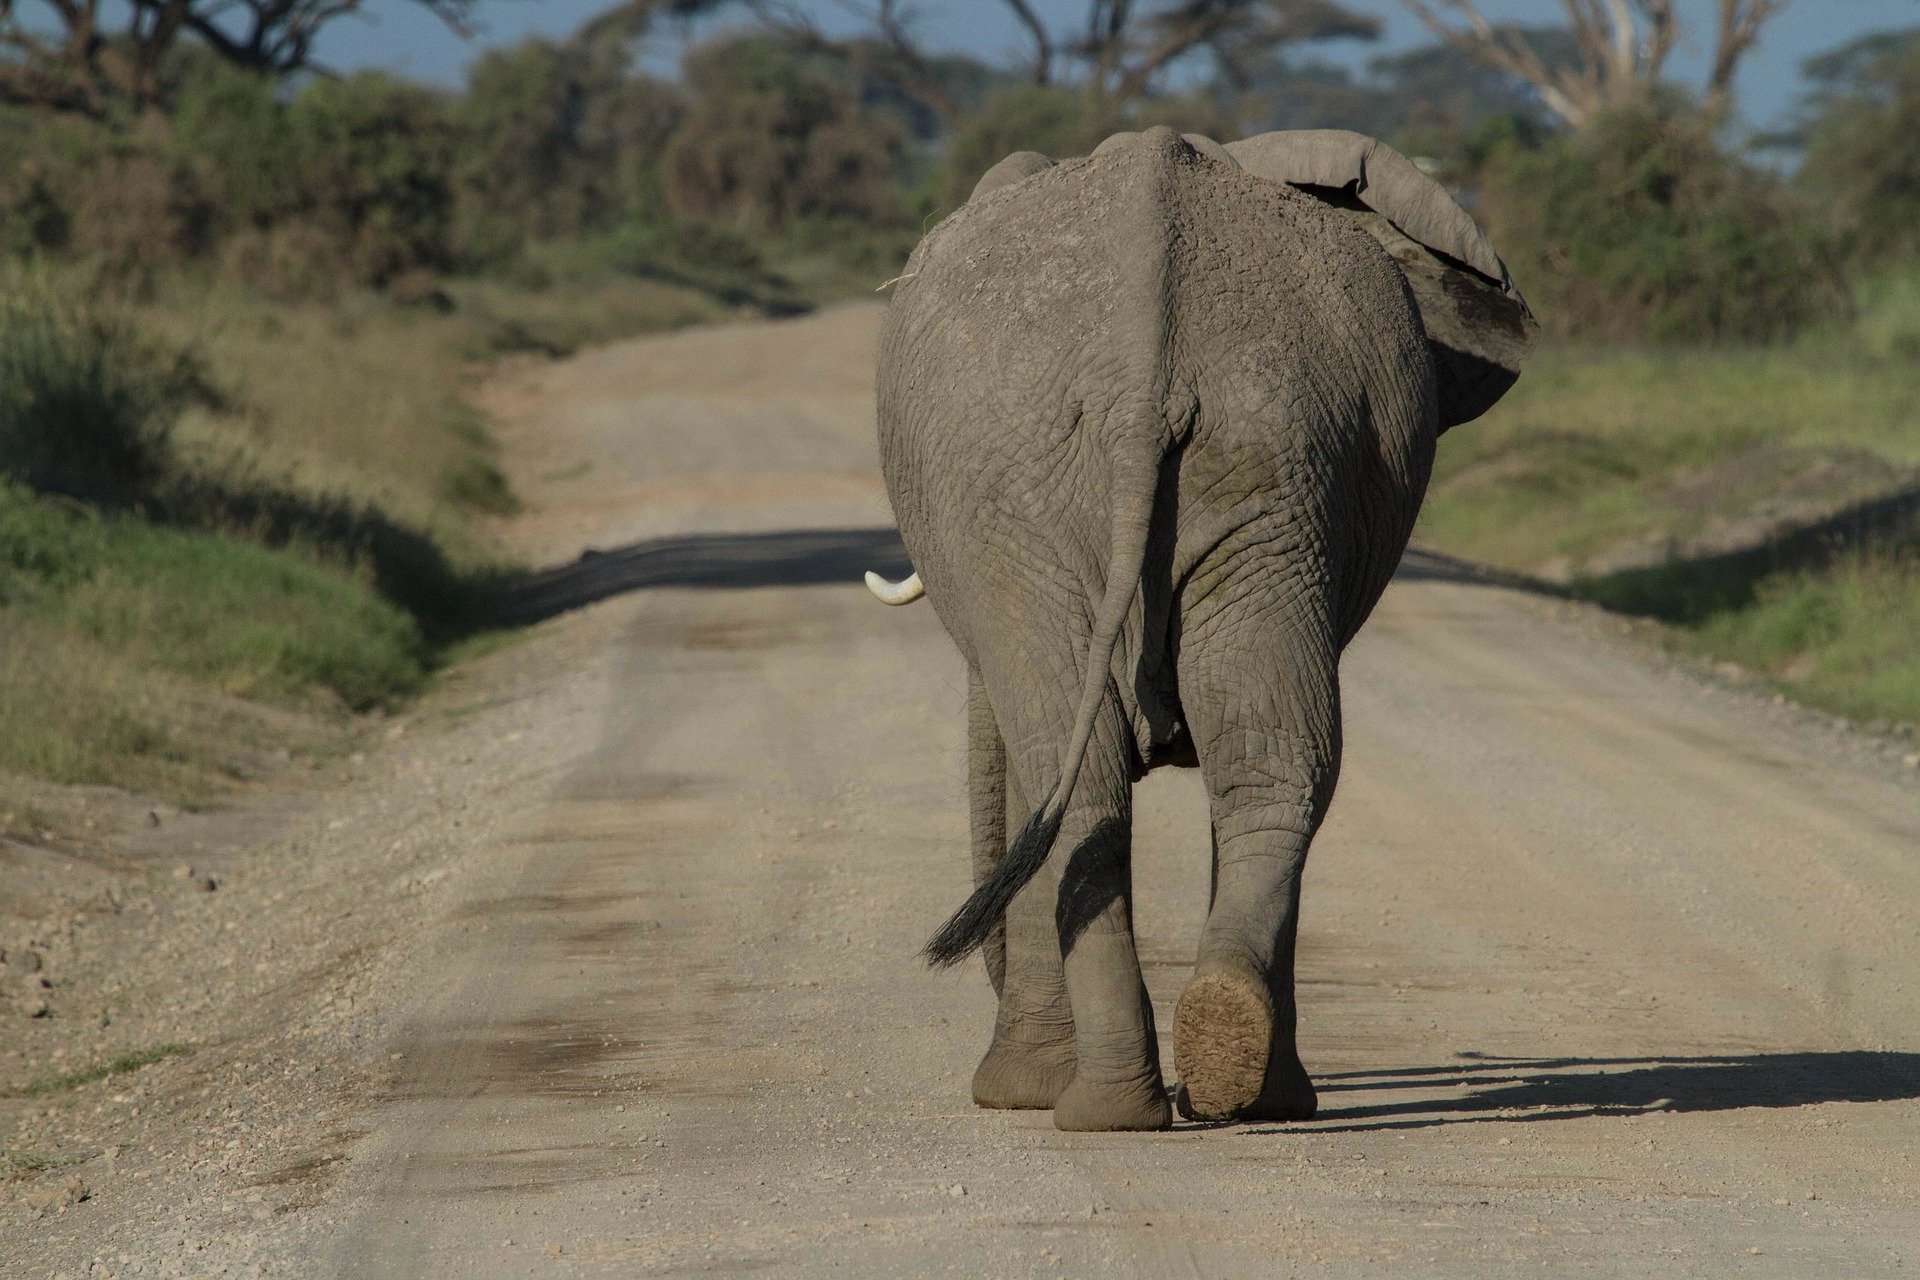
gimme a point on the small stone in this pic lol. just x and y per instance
(37, 1009)
(30, 961)
(207, 884)
(183, 872)
(956, 1190)
(554, 1251)
(57, 1196)
(153, 817)
(1911, 759)
(507, 1243)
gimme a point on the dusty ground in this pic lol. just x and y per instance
(602, 962)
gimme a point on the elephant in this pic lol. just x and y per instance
(1155, 424)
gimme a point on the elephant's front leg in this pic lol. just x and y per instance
(1030, 1062)
(1261, 692)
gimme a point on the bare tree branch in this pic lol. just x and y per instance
(73, 56)
(1623, 45)
(1737, 32)
(1042, 42)
(890, 55)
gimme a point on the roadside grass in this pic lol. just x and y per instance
(118, 1065)
(132, 653)
(1616, 471)
(228, 522)
(1596, 448)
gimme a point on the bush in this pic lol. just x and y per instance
(87, 403)
(1863, 149)
(375, 156)
(117, 196)
(1641, 227)
(770, 139)
(556, 140)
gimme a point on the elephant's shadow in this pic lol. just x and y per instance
(1515, 1090)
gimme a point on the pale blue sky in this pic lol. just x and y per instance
(404, 38)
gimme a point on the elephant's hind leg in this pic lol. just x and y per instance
(1081, 896)
(1030, 1062)
(1261, 692)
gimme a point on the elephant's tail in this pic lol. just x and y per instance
(1134, 489)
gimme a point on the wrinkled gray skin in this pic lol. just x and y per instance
(1156, 425)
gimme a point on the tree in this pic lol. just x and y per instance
(1862, 131)
(81, 55)
(1427, 96)
(770, 140)
(1121, 51)
(555, 139)
(1623, 47)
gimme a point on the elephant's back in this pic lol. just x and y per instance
(1077, 276)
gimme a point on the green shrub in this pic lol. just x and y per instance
(241, 617)
(555, 140)
(1642, 227)
(1886, 321)
(1863, 147)
(770, 138)
(375, 155)
(87, 403)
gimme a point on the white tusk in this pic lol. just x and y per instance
(905, 592)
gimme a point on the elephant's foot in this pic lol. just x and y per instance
(1222, 1044)
(1022, 1077)
(1100, 1107)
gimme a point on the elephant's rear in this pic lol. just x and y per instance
(1148, 301)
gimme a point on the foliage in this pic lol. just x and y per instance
(241, 617)
(1863, 145)
(87, 402)
(556, 140)
(1673, 483)
(1641, 227)
(375, 156)
(769, 139)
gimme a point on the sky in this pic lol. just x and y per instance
(402, 37)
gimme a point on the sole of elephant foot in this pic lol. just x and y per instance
(1286, 1099)
(1113, 1108)
(1222, 1035)
(1021, 1079)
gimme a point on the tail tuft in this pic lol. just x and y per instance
(971, 924)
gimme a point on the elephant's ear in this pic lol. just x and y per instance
(1480, 327)
(1021, 164)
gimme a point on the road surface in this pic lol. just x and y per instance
(1604, 972)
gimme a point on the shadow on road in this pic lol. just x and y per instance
(802, 558)
(1570, 1088)
(729, 561)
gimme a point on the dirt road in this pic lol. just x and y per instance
(1606, 970)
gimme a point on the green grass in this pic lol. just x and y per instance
(1594, 448)
(119, 1064)
(135, 653)
(1597, 453)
